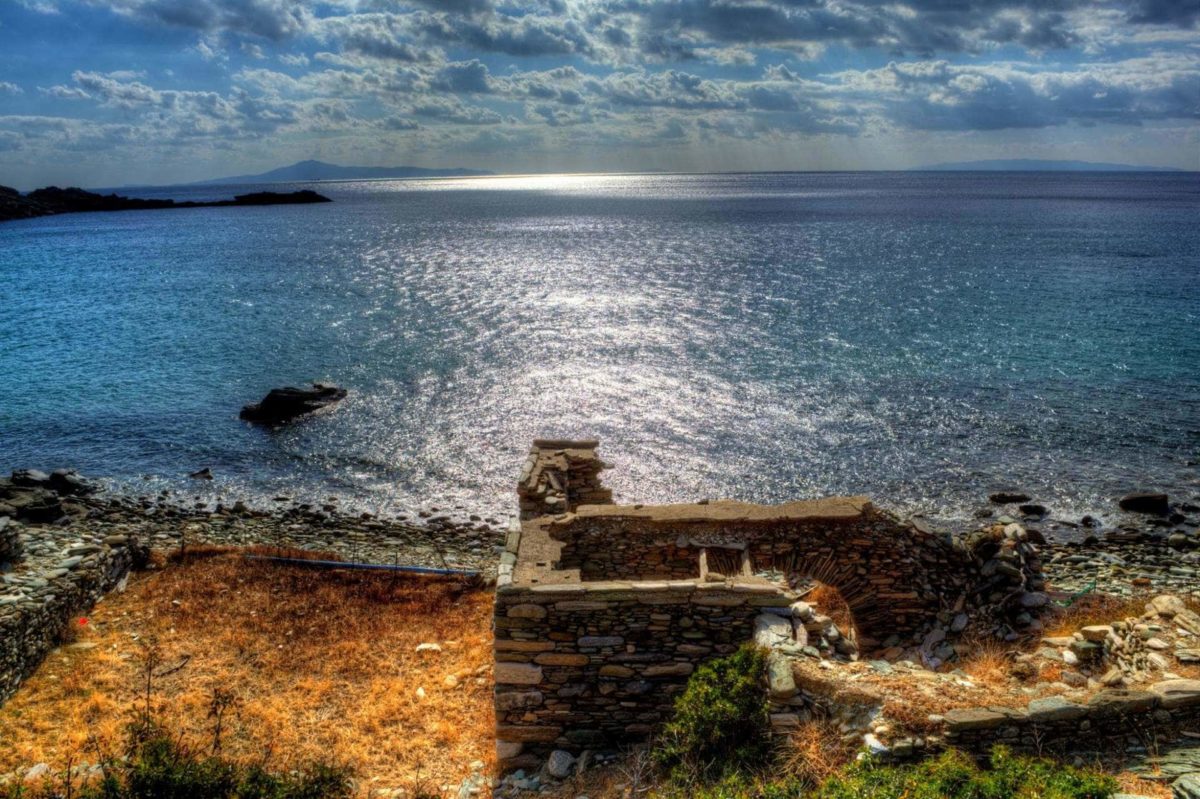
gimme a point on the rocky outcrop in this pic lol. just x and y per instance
(285, 404)
(53, 200)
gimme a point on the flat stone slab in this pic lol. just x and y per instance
(1177, 693)
(975, 718)
(1120, 702)
(1054, 708)
(517, 674)
(832, 508)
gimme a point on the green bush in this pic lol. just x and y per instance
(721, 723)
(950, 776)
(953, 775)
(158, 766)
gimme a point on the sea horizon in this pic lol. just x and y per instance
(923, 338)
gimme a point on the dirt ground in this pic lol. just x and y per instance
(309, 665)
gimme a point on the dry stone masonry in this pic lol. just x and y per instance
(603, 610)
(59, 576)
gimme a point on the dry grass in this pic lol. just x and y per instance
(828, 600)
(321, 665)
(1094, 609)
(989, 663)
(815, 752)
(1133, 784)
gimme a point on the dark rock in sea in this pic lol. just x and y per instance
(53, 200)
(202, 474)
(1032, 509)
(1007, 497)
(71, 483)
(1089, 521)
(1145, 502)
(65, 482)
(285, 404)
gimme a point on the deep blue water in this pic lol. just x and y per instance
(922, 338)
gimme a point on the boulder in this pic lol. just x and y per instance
(1007, 497)
(559, 764)
(1144, 502)
(68, 482)
(285, 404)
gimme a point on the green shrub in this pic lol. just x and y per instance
(721, 723)
(953, 775)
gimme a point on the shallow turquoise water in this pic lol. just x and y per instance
(922, 338)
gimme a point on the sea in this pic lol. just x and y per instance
(921, 338)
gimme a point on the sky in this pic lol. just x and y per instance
(112, 92)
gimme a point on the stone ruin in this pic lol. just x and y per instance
(603, 611)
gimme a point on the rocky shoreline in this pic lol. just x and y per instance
(1146, 553)
(60, 506)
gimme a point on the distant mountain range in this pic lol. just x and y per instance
(1036, 165)
(319, 170)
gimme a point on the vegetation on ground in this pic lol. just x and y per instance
(721, 722)
(315, 665)
(158, 765)
(719, 746)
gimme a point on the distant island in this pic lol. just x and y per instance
(319, 170)
(53, 200)
(1038, 165)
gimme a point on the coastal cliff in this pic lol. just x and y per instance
(53, 200)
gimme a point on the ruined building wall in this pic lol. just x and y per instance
(36, 608)
(603, 611)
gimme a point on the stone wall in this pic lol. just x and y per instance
(603, 611)
(560, 475)
(37, 604)
(1110, 721)
(10, 542)
(895, 578)
(599, 665)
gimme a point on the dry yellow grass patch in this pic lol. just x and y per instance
(1095, 609)
(320, 665)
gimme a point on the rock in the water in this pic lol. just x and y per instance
(1007, 497)
(202, 474)
(1142, 502)
(285, 404)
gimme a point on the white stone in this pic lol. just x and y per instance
(771, 631)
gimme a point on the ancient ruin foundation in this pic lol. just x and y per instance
(603, 610)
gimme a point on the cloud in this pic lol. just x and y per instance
(935, 95)
(268, 19)
(464, 77)
(10, 88)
